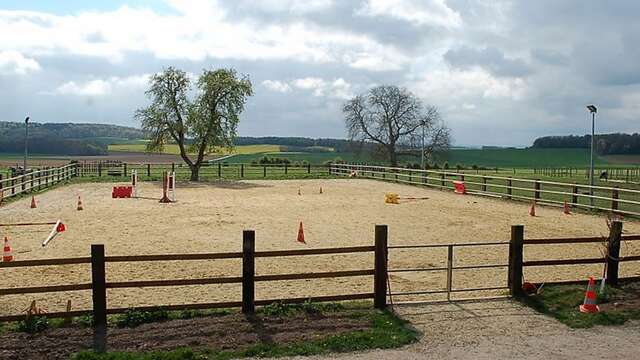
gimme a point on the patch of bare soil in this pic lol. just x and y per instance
(626, 300)
(225, 332)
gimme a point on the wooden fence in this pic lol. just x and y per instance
(615, 199)
(35, 180)
(611, 257)
(207, 171)
(248, 278)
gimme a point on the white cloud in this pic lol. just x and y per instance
(417, 12)
(289, 6)
(100, 87)
(13, 62)
(276, 85)
(338, 88)
(195, 33)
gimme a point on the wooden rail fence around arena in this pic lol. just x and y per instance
(209, 170)
(380, 284)
(35, 180)
(614, 199)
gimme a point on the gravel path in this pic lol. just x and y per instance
(503, 329)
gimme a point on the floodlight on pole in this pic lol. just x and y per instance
(26, 144)
(593, 110)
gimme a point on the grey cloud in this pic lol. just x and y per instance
(491, 59)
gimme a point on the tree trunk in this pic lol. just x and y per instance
(195, 172)
(393, 157)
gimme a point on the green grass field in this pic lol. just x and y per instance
(173, 149)
(523, 158)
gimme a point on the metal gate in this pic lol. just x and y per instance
(450, 270)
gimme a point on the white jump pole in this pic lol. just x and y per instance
(53, 233)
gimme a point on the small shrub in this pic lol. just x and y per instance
(33, 324)
(133, 318)
(85, 321)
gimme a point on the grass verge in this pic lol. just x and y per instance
(562, 302)
(387, 331)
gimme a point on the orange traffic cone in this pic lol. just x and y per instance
(567, 210)
(589, 305)
(7, 254)
(80, 207)
(532, 210)
(33, 202)
(301, 234)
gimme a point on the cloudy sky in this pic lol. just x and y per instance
(501, 72)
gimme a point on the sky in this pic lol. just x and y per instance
(500, 72)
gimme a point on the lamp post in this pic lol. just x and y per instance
(422, 151)
(26, 144)
(593, 111)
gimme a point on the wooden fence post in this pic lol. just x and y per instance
(613, 251)
(125, 169)
(173, 167)
(99, 289)
(241, 170)
(442, 180)
(380, 266)
(516, 246)
(509, 189)
(286, 169)
(148, 170)
(484, 184)
(537, 190)
(264, 171)
(248, 271)
(308, 168)
(615, 195)
(99, 169)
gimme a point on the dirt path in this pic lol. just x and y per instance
(503, 330)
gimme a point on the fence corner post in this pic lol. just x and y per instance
(248, 271)
(380, 272)
(516, 246)
(99, 295)
(613, 252)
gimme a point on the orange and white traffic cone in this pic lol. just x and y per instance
(532, 210)
(567, 210)
(80, 207)
(33, 202)
(589, 305)
(7, 254)
(301, 234)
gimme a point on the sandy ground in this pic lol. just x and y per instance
(502, 330)
(211, 217)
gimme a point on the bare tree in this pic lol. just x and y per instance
(392, 117)
(197, 126)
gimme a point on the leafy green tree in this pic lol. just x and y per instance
(198, 124)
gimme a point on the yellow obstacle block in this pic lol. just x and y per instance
(391, 198)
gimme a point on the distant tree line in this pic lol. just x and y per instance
(606, 144)
(48, 145)
(63, 139)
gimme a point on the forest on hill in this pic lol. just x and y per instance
(605, 144)
(64, 139)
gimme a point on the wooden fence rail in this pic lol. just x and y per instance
(248, 278)
(613, 199)
(209, 170)
(35, 180)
